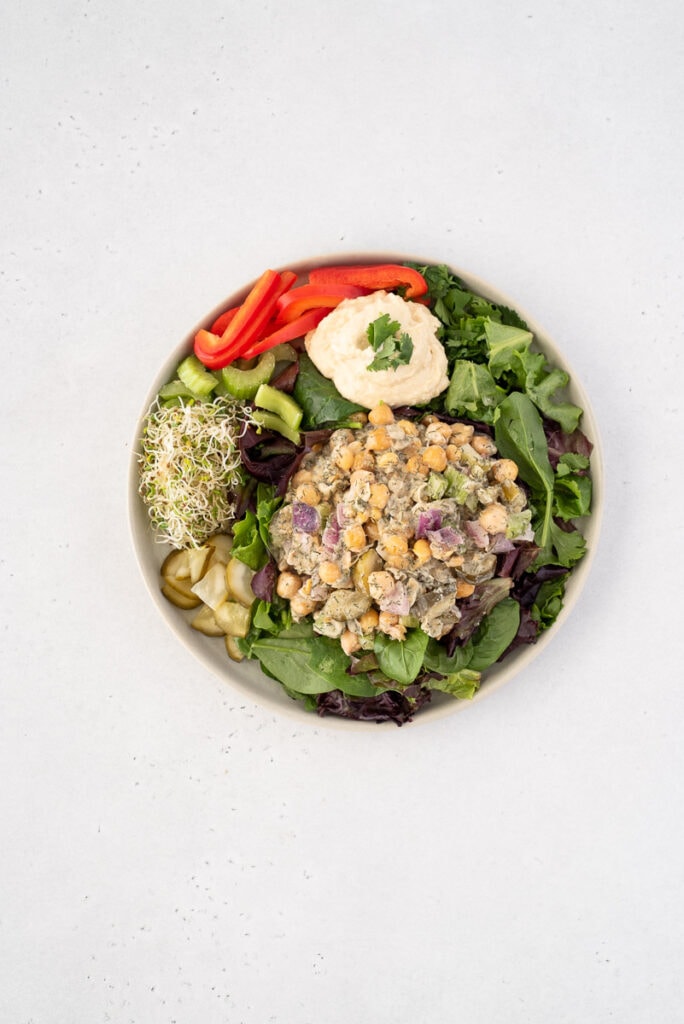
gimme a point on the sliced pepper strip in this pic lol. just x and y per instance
(312, 296)
(248, 323)
(289, 332)
(382, 276)
(219, 325)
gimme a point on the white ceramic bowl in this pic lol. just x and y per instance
(246, 676)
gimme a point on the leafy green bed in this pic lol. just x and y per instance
(499, 381)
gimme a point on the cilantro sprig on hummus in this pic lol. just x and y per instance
(391, 347)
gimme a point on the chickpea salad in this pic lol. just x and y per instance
(371, 554)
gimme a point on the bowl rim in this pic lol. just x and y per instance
(246, 677)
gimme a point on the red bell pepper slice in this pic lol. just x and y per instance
(219, 325)
(382, 276)
(248, 323)
(294, 303)
(289, 332)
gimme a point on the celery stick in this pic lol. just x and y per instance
(245, 383)
(279, 403)
(175, 389)
(196, 378)
(270, 421)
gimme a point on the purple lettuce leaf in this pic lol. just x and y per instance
(390, 706)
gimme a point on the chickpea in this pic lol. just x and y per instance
(504, 469)
(308, 494)
(368, 621)
(372, 531)
(421, 549)
(435, 457)
(464, 589)
(344, 459)
(356, 447)
(493, 518)
(483, 445)
(301, 606)
(349, 642)
(360, 477)
(438, 433)
(355, 538)
(412, 464)
(387, 460)
(409, 427)
(387, 620)
(329, 572)
(394, 544)
(361, 417)
(302, 476)
(288, 584)
(381, 415)
(378, 440)
(364, 460)
(461, 433)
(379, 495)
(391, 625)
(453, 452)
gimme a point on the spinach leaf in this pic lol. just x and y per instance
(306, 663)
(391, 348)
(473, 392)
(495, 633)
(436, 658)
(318, 397)
(519, 435)
(401, 660)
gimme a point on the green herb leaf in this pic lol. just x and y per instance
(391, 349)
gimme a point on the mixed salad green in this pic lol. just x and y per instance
(279, 407)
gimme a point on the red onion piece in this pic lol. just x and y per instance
(428, 521)
(501, 544)
(477, 533)
(305, 517)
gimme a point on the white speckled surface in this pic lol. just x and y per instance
(171, 853)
